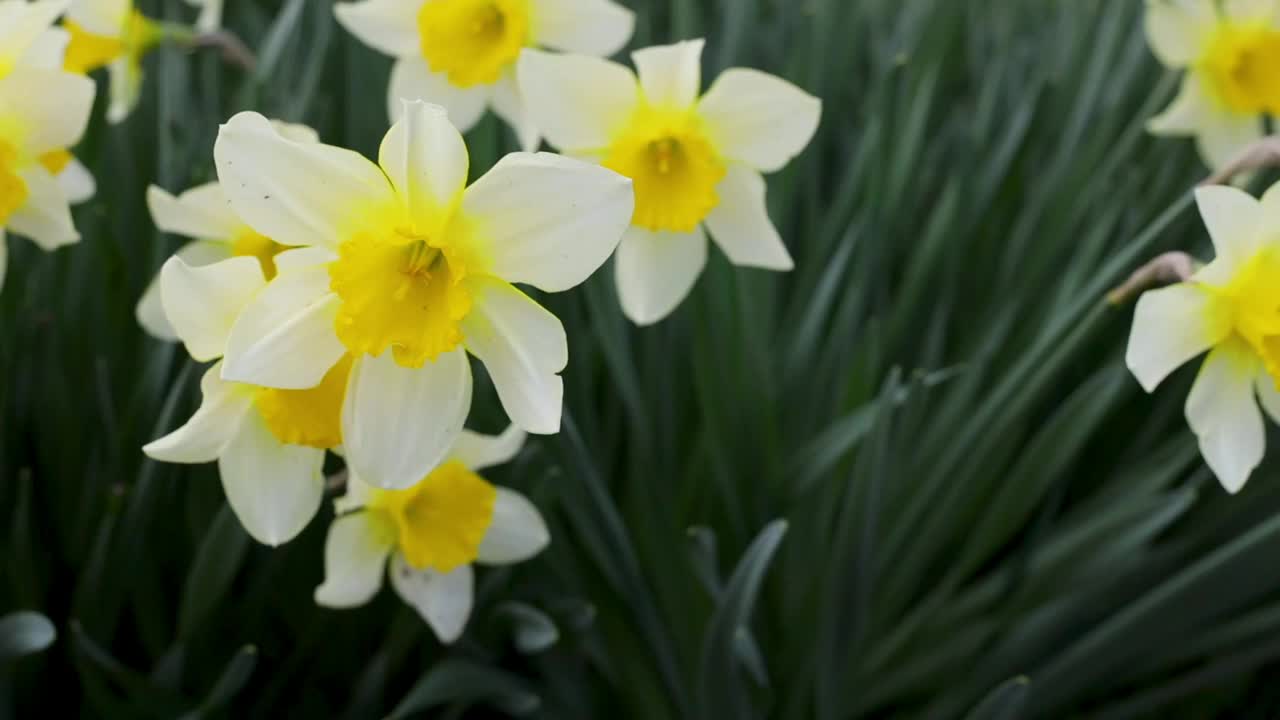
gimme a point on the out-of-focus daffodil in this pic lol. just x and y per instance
(210, 14)
(115, 35)
(431, 533)
(696, 159)
(461, 54)
(43, 111)
(204, 215)
(412, 271)
(1231, 308)
(1231, 54)
(269, 444)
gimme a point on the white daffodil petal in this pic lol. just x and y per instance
(223, 406)
(577, 102)
(150, 310)
(398, 423)
(302, 258)
(77, 182)
(587, 27)
(1224, 414)
(274, 489)
(45, 217)
(740, 224)
(46, 52)
(516, 533)
(355, 559)
(670, 75)
(411, 79)
(509, 105)
(524, 348)
(356, 496)
(55, 107)
(101, 17)
(202, 213)
(655, 271)
(758, 119)
(285, 337)
(1268, 395)
(210, 15)
(1248, 11)
(1177, 30)
(478, 451)
(424, 156)
(442, 599)
(1223, 137)
(126, 88)
(548, 220)
(203, 303)
(1171, 326)
(22, 25)
(1234, 220)
(389, 26)
(297, 193)
(1192, 108)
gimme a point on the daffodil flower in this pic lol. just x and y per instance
(1230, 308)
(43, 111)
(269, 444)
(696, 159)
(461, 54)
(1231, 54)
(210, 14)
(431, 533)
(413, 271)
(204, 215)
(115, 35)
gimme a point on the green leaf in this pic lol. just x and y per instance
(1007, 702)
(221, 553)
(463, 683)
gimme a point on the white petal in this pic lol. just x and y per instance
(46, 52)
(655, 271)
(356, 496)
(740, 224)
(478, 451)
(1178, 29)
(150, 310)
(1171, 326)
(398, 423)
(517, 532)
(126, 88)
(509, 105)
(1225, 136)
(758, 119)
(22, 24)
(1234, 219)
(1268, 395)
(1247, 11)
(101, 17)
(1224, 415)
(1190, 110)
(355, 559)
(296, 132)
(443, 600)
(203, 303)
(210, 16)
(670, 75)
(411, 79)
(203, 212)
(524, 348)
(426, 160)
(274, 489)
(389, 26)
(550, 221)
(223, 407)
(588, 27)
(297, 193)
(285, 337)
(77, 182)
(578, 102)
(45, 217)
(50, 107)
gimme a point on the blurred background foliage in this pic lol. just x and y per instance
(911, 478)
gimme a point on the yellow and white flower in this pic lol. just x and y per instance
(461, 54)
(1230, 308)
(1231, 54)
(412, 271)
(431, 533)
(43, 111)
(115, 35)
(210, 14)
(269, 444)
(696, 159)
(204, 215)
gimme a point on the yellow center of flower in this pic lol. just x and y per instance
(87, 51)
(1242, 65)
(402, 291)
(310, 417)
(251, 244)
(55, 161)
(473, 41)
(441, 521)
(1249, 304)
(673, 166)
(13, 189)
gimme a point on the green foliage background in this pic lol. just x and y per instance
(912, 478)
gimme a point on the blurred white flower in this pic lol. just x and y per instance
(115, 35)
(210, 14)
(461, 54)
(695, 158)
